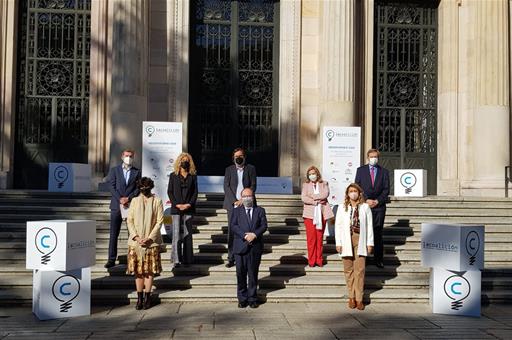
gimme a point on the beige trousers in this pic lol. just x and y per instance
(354, 268)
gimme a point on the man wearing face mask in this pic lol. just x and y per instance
(374, 180)
(237, 177)
(249, 222)
(122, 181)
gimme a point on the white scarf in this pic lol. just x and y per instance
(317, 217)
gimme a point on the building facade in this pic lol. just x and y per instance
(428, 82)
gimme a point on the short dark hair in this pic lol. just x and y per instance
(371, 151)
(238, 149)
(145, 182)
(128, 150)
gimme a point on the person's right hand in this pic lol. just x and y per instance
(338, 249)
(237, 203)
(123, 200)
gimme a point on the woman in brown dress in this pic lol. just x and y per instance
(145, 218)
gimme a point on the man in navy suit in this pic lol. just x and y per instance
(123, 187)
(249, 222)
(237, 177)
(374, 180)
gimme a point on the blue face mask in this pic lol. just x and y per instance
(247, 202)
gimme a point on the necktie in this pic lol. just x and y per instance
(249, 214)
(372, 175)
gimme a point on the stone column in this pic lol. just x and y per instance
(178, 27)
(447, 111)
(366, 103)
(337, 49)
(8, 36)
(129, 99)
(289, 88)
(100, 90)
(484, 90)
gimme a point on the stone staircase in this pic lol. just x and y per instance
(284, 274)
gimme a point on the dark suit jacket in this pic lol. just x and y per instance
(380, 190)
(176, 196)
(119, 188)
(240, 225)
(231, 183)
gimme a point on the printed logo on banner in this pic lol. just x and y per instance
(46, 243)
(150, 130)
(408, 181)
(329, 134)
(61, 175)
(472, 246)
(457, 288)
(65, 289)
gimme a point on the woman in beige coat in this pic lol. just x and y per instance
(316, 212)
(145, 218)
(354, 241)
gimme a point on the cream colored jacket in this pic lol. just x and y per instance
(145, 220)
(342, 230)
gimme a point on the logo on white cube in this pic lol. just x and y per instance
(457, 293)
(59, 294)
(60, 244)
(410, 183)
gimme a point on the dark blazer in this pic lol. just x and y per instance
(231, 183)
(240, 225)
(175, 193)
(119, 188)
(380, 190)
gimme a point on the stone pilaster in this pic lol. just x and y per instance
(447, 112)
(337, 50)
(129, 99)
(100, 125)
(483, 105)
(289, 87)
(178, 28)
(8, 22)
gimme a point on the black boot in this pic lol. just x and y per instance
(140, 301)
(147, 300)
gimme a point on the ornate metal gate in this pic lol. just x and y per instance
(53, 87)
(233, 83)
(405, 101)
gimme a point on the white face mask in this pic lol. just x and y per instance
(128, 160)
(312, 178)
(353, 196)
(373, 161)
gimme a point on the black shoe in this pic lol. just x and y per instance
(110, 264)
(243, 304)
(254, 305)
(379, 264)
(147, 300)
(140, 301)
(230, 264)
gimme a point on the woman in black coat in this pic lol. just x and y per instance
(182, 191)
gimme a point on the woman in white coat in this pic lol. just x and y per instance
(354, 241)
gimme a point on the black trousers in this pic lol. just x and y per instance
(378, 215)
(231, 256)
(115, 227)
(247, 268)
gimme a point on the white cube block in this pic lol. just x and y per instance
(455, 293)
(61, 294)
(61, 244)
(410, 183)
(456, 247)
(69, 177)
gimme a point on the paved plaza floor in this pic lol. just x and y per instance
(269, 321)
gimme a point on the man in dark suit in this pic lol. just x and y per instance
(123, 187)
(374, 180)
(249, 222)
(236, 178)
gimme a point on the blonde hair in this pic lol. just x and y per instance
(319, 179)
(178, 160)
(347, 199)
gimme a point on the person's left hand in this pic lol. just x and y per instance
(249, 237)
(369, 249)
